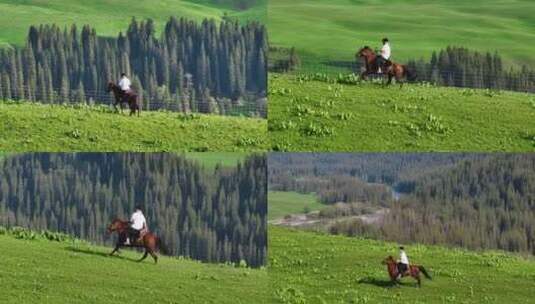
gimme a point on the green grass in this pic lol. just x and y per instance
(309, 115)
(52, 128)
(108, 17)
(334, 29)
(312, 268)
(41, 271)
(211, 159)
(281, 203)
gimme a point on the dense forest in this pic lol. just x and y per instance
(286, 168)
(477, 201)
(214, 215)
(190, 67)
(461, 67)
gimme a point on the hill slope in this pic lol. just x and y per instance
(49, 128)
(310, 115)
(334, 29)
(313, 268)
(108, 17)
(49, 272)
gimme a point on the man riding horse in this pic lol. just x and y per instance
(381, 64)
(123, 93)
(403, 262)
(125, 85)
(138, 224)
(384, 57)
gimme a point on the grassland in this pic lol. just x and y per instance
(281, 203)
(312, 268)
(324, 115)
(324, 30)
(40, 271)
(108, 17)
(57, 128)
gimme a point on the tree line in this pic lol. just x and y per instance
(461, 67)
(214, 215)
(191, 67)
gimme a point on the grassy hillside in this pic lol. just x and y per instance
(37, 127)
(108, 17)
(41, 271)
(311, 115)
(334, 29)
(281, 203)
(312, 268)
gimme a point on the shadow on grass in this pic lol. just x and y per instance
(384, 283)
(377, 282)
(99, 253)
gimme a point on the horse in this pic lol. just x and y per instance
(393, 70)
(122, 97)
(413, 271)
(147, 240)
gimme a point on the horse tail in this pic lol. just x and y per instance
(426, 274)
(411, 75)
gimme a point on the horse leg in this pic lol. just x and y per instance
(144, 256)
(116, 249)
(389, 80)
(154, 256)
(401, 82)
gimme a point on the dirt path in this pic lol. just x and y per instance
(313, 218)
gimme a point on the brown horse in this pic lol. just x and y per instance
(121, 97)
(147, 240)
(413, 271)
(390, 69)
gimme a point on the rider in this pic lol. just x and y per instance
(137, 224)
(403, 263)
(384, 56)
(124, 84)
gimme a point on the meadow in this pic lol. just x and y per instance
(281, 203)
(311, 268)
(71, 271)
(54, 128)
(108, 17)
(323, 113)
(333, 30)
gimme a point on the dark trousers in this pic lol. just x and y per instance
(402, 268)
(133, 234)
(380, 62)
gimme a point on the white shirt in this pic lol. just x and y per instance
(403, 258)
(125, 84)
(138, 220)
(385, 51)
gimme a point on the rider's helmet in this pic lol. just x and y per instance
(123, 74)
(138, 208)
(401, 248)
(385, 40)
